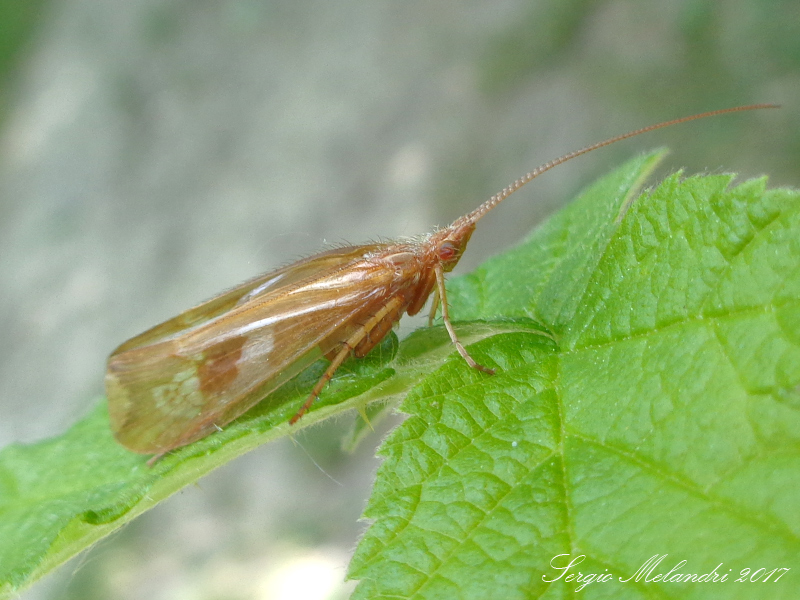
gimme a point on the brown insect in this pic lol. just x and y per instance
(187, 377)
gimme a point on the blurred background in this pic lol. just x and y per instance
(153, 154)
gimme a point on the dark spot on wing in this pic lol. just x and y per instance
(220, 365)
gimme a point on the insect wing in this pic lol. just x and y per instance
(268, 283)
(178, 382)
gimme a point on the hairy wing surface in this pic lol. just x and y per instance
(271, 282)
(177, 390)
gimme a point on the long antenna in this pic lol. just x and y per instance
(484, 208)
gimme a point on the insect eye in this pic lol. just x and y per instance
(447, 251)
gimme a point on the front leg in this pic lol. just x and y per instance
(446, 318)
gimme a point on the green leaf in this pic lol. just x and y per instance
(59, 496)
(646, 402)
(659, 418)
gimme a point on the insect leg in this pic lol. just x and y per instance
(378, 331)
(347, 347)
(434, 307)
(446, 318)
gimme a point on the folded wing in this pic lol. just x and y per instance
(182, 379)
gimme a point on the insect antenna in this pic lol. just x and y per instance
(484, 208)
